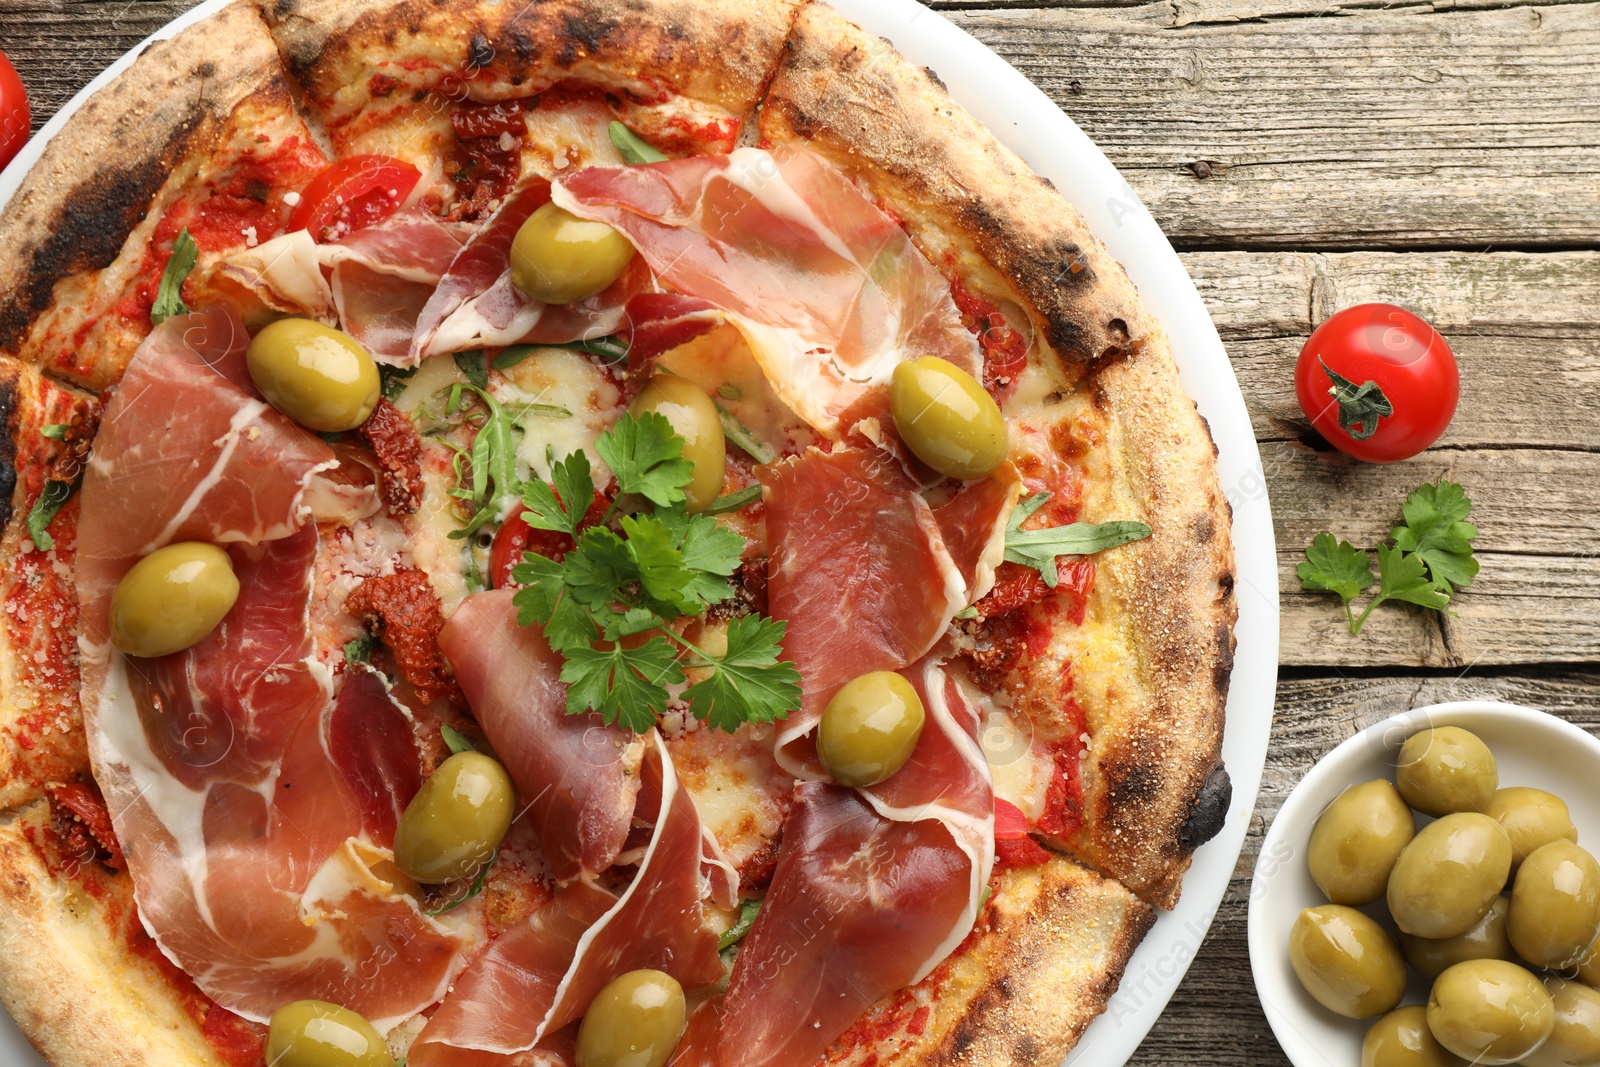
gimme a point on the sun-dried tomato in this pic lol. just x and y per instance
(408, 615)
(81, 804)
(395, 441)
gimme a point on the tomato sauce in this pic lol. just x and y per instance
(1005, 351)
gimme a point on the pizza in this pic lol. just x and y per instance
(584, 532)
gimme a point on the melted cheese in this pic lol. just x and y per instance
(1020, 766)
(535, 391)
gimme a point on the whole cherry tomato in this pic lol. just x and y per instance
(16, 118)
(1377, 382)
(353, 193)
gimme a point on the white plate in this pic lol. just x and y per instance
(1530, 748)
(1033, 127)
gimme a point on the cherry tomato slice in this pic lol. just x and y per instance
(353, 193)
(1377, 382)
(16, 118)
(1009, 822)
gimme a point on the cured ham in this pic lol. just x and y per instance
(552, 965)
(826, 286)
(863, 574)
(384, 275)
(476, 305)
(257, 845)
(578, 778)
(872, 890)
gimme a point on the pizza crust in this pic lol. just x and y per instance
(976, 209)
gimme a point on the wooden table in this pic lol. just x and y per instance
(1305, 156)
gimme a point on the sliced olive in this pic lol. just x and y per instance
(1532, 818)
(315, 1033)
(1485, 941)
(870, 728)
(1490, 1011)
(319, 377)
(1356, 841)
(636, 1020)
(1346, 961)
(1446, 769)
(1575, 1039)
(1448, 877)
(695, 418)
(453, 825)
(947, 418)
(1555, 905)
(1402, 1039)
(558, 258)
(172, 599)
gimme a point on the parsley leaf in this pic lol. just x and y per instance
(169, 294)
(52, 497)
(359, 650)
(749, 682)
(1336, 567)
(634, 148)
(1436, 531)
(1402, 576)
(1039, 548)
(55, 430)
(563, 507)
(626, 685)
(473, 368)
(646, 456)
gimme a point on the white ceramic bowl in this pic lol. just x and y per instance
(1530, 748)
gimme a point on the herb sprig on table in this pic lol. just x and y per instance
(1429, 560)
(618, 585)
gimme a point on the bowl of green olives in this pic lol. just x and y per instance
(1426, 896)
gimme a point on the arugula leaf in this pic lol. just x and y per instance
(493, 458)
(741, 926)
(472, 891)
(749, 682)
(456, 742)
(169, 294)
(51, 499)
(56, 430)
(646, 456)
(608, 348)
(1336, 567)
(548, 506)
(395, 380)
(634, 148)
(359, 650)
(739, 434)
(626, 685)
(1360, 406)
(512, 355)
(473, 367)
(1435, 530)
(733, 501)
(1039, 548)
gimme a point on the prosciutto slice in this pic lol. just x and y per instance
(863, 574)
(475, 303)
(828, 288)
(552, 965)
(872, 890)
(578, 778)
(255, 841)
(383, 275)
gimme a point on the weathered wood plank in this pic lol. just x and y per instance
(1215, 1017)
(1384, 129)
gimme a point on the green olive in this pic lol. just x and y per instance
(1346, 961)
(315, 1033)
(558, 258)
(1589, 966)
(1485, 941)
(1531, 817)
(456, 821)
(1445, 770)
(870, 728)
(1555, 905)
(947, 418)
(1402, 1039)
(695, 418)
(635, 1021)
(319, 377)
(1575, 1039)
(1490, 1011)
(172, 599)
(1448, 877)
(1356, 841)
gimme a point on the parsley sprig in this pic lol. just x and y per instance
(1039, 548)
(656, 567)
(1431, 557)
